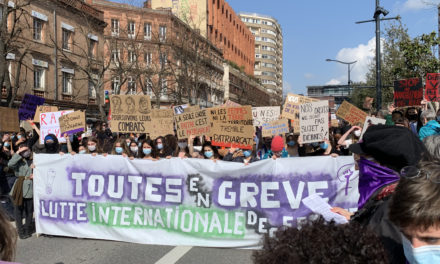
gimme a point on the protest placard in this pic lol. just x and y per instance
(371, 121)
(314, 122)
(276, 127)
(9, 120)
(43, 109)
(432, 91)
(195, 123)
(291, 108)
(351, 114)
(230, 103)
(265, 114)
(72, 123)
(162, 123)
(28, 106)
(183, 201)
(232, 127)
(50, 124)
(130, 113)
(408, 92)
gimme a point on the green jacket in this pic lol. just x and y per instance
(22, 167)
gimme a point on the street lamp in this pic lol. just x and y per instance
(348, 64)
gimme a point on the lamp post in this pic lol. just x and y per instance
(348, 64)
(378, 11)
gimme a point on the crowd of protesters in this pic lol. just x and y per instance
(410, 137)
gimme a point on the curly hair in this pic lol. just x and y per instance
(8, 238)
(322, 242)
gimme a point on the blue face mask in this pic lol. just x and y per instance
(291, 143)
(119, 150)
(247, 153)
(420, 255)
(19, 137)
(82, 151)
(147, 151)
(160, 146)
(209, 154)
(323, 145)
(7, 144)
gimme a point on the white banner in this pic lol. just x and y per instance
(183, 202)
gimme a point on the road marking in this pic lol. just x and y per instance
(174, 255)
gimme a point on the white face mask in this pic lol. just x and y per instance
(134, 149)
(357, 133)
(91, 148)
(420, 255)
(197, 148)
(182, 145)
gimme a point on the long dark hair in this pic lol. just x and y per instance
(8, 238)
(151, 144)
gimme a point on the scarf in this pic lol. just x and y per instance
(372, 177)
(17, 193)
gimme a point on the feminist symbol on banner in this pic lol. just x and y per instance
(432, 87)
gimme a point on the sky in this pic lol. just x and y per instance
(316, 30)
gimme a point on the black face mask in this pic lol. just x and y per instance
(51, 147)
(413, 117)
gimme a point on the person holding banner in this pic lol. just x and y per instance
(292, 146)
(120, 148)
(93, 146)
(22, 191)
(147, 150)
(210, 152)
(134, 149)
(243, 156)
(163, 150)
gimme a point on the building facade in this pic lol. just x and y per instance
(268, 67)
(55, 47)
(339, 92)
(218, 22)
(153, 52)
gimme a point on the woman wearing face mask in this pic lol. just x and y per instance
(344, 142)
(22, 192)
(322, 148)
(134, 150)
(147, 150)
(209, 152)
(245, 156)
(195, 147)
(162, 148)
(292, 146)
(93, 146)
(51, 145)
(120, 148)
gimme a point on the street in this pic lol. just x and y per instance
(64, 250)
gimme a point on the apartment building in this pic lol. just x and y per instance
(218, 22)
(156, 53)
(268, 67)
(55, 48)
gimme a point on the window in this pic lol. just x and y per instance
(115, 27)
(162, 33)
(67, 83)
(131, 56)
(38, 29)
(131, 85)
(39, 80)
(147, 31)
(116, 55)
(116, 84)
(92, 48)
(148, 57)
(92, 90)
(163, 86)
(163, 60)
(131, 29)
(149, 87)
(66, 39)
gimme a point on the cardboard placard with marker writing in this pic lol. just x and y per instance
(232, 127)
(408, 92)
(43, 109)
(314, 122)
(72, 123)
(351, 114)
(197, 123)
(9, 120)
(130, 113)
(265, 114)
(276, 127)
(432, 91)
(162, 123)
(291, 108)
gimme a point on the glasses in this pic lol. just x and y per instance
(412, 172)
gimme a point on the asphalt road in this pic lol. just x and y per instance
(63, 250)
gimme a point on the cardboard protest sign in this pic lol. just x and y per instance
(9, 120)
(230, 103)
(314, 122)
(130, 113)
(43, 109)
(351, 114)
(50, 124)
(265, 114)
(232, 127)
(196, 123)
(162, 123)
(432, 91)
(276, 127)
(408, 92)
(180, 109)
(371, 121)
(291, 108)
(29, 106)
(72, 123)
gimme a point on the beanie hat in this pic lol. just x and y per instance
(277, 144)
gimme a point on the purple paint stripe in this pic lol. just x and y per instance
(70, 132)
